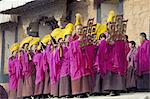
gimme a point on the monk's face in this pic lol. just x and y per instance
(14, 53)
(60, 41)
(141, 39)
(26, 46)
(67, 38)
(78, 29)
(34, 47)
(131, 45)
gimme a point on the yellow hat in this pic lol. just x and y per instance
(14, 47)
(68, 29)
(34, 41)
(101, 29)
(111, 16)
(60, 35)
(39, 46)
(26, 40)
(78, 19)
(46, 39)
(56, 32)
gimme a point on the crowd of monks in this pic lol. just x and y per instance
(62, 65)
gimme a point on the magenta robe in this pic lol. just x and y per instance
(54, 65)
(77, 62)
(119, 57)
(89, 57)
(108, 58)
(26, 64)
(37, 59)
(19, 66)
(65, 67)
(73, 37)
(45, 58)
(143, 58)
(101, 57)
(12, 74)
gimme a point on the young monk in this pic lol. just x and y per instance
(80, 70)
(12, 71)
(54, 67)
(29, 69)
(22, 63)
(131, 77)
(143, 64)
(47, 42)
(65, 79)
(100, 64)
(114, 78)
(39, 81)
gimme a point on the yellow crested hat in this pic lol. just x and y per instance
(56, 32)
(111, 16)
(26, 40)
(59, 36)
(34, 41)
(68, 29)
(78, 19)
(39, 46)
(14, 47)
(46, 39)
(101, 29)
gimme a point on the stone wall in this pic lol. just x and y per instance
(138, 14)
(85, 8)
(56, 9)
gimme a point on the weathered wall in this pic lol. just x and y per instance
(56, 9)
(85, 8)
(138, 14)
(9, 40)
(106, 7)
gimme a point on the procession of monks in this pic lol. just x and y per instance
(62, 65)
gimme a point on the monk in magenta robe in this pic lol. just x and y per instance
(143, 64)
(65, 79)
(100, 64)
(46, 90)
(75, 66)
(28, 69)
(19, 68)
(54, 67)
(114, 79)
(37, 60)
(87, 73)
(12, 77)
(79, 69)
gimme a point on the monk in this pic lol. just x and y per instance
(21, 68)
(47, 87)
(12, 75)
(80, 68)
(54, 67)
(65, 79)
(131, 77)
(39, 80)
(100, 64)
(143, 64)
(114, 78)
(28, 72)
